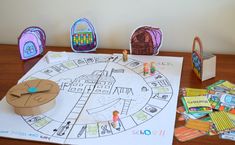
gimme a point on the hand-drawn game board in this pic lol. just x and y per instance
(92, 86)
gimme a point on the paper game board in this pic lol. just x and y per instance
(92, 86)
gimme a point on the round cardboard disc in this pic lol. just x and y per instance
(33, 97)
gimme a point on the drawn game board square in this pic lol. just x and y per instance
(118, 130)
(41, 123)
(92, 130)
(128, 122)
(101, 59)
(80, 62)
(153, 84)
(60, 68)
(151, 110)
(134, 64)
(158, 103)
(50, 71)
(63, 129)
(90, 60)
(78, 131)
(70, 64)
(156, 77)
(163, 82)
(33, 119)
(141, 117)
(162, 90)
(49, 128)
(114, 58)
(164, 97)
(104, 129)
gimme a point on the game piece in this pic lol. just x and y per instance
(31, 42)
(146, 69)
(53, 57)
(152, 68)
(146, 40)
(198, 124)
(83, 36)
(33, 97)
(124, 55)
(197, 104)
(222, 121)
(116, 120)
(204, 64)
(185, 134)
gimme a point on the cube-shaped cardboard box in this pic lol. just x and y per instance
(204, 64)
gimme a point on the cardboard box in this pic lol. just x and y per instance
(203, 63)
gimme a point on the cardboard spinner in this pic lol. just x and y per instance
(33, 97)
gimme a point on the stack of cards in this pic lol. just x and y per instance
(208, 111)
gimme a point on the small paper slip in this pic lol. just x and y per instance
(53, 57)
(222, 121)
(198, 124)
(184, 134)
(197, 104)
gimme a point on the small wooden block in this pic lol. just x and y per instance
(124, 55)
